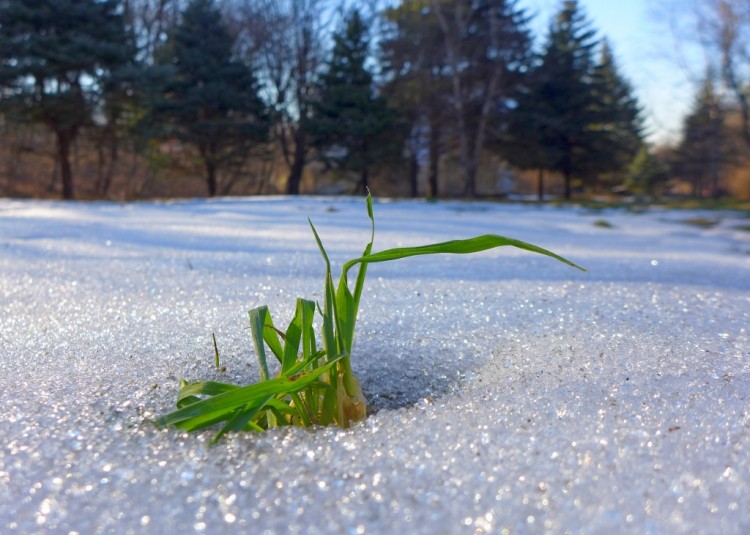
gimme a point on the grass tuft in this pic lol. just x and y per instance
(315, 385)
(701, 222)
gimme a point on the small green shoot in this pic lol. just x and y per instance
(603, 223)
(314, 385)
(216, 352)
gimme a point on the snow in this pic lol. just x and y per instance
(515, 394)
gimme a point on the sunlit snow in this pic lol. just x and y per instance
(513, 393)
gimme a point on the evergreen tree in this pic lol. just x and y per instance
(523, 135)
(646, 173)
(57, 58)
(414, 63)
(574, 115)
(566, 93)
(211, 101)
(703, 151)
(353, 128)
(619, 127)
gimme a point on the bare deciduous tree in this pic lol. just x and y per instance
(288, 39)
(486, 44)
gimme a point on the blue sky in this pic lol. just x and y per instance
(646, 52)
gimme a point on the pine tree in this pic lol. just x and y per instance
(566, 93)
(619, 126)
(353, 128)
(646, 173)
(574, 115)
(703, 151)
(57, 57)
(212, 100)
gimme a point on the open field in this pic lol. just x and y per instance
(512, 392)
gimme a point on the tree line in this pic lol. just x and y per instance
(442, 89)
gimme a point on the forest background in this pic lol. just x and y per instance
(126, 99)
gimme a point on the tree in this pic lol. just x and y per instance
(288, 37)
(703, 151)
(646, 173)
(488, 48)
(619, 121)
(212, 100)
(722, 29)
(352, 126)
(414, 64)
(57, 57)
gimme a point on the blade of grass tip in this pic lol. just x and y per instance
(329, 335)
(468, 246)
(216, 352)
(204, 388)
(360, 283)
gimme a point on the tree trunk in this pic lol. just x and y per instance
(64, 140)
(413, 175)
(434, 169)
(106, 170)
(568, 177)
(211, 177)
(298, 164)
(540, 185)
(470, 178)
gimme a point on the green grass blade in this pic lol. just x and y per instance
(468, 246)
(320, 245)
(309, 347)
(216, 352)
(271, 336)
(230, 401)
(204, 388)
(345, 316)
(329, 336)
(257, 321)
(241, 419)
(360, 282)
(292, 339)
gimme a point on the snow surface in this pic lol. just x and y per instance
(515, 394)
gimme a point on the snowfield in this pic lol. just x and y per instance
(514, 394)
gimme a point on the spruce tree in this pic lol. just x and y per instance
(353, 128)
(619, 127)
(646, 173)
(574, 115)
(704, 149)
(566, 93)
(57, 57)
(212, 100)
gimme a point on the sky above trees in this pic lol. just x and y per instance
(647, 53)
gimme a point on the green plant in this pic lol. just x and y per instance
(314, 386)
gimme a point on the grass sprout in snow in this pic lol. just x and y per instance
(316, 384)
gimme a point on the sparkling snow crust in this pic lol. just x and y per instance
(513, 393)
